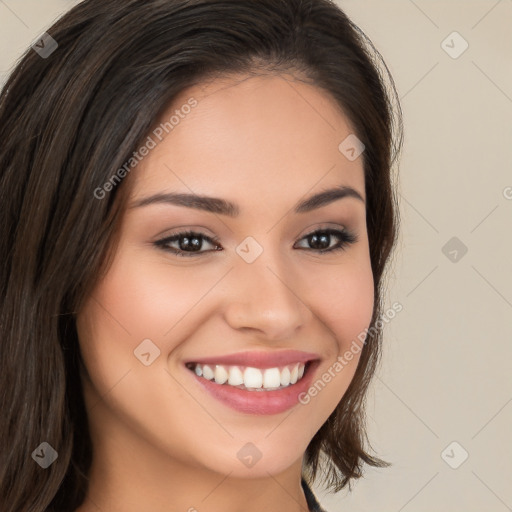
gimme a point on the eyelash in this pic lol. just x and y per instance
(346, 238)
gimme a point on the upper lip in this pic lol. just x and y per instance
(258, 359)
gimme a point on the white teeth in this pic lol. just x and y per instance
(208, 372)
(221, 375)
(236, 377)
(252, 378)
(271, 378)
(285, 376)
(294, 374)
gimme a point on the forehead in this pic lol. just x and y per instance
(249, 137)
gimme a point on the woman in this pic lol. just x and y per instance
(197, 213)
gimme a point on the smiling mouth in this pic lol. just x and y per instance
(250, 378)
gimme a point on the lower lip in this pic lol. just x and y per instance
(259, 402)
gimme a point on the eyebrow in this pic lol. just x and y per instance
(223, 207)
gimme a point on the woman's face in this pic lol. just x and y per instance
(252, 289)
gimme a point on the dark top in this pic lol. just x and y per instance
(313, 504)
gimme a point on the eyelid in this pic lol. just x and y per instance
(322, 227)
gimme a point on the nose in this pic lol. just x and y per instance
(265, 298)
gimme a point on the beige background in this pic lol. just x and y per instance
(446, 369)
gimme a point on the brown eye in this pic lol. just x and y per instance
(189, 243)
(321, 240)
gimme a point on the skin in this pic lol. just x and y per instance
(160, 442)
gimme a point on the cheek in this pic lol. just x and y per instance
(343, 297)
(125, 308)
(140, 299)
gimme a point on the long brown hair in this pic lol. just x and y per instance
(70, 120)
